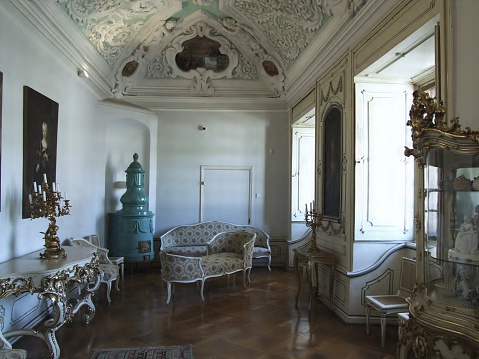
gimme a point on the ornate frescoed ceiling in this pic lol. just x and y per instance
(147, 49)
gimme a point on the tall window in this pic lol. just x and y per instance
(303, 164)
(384, 176)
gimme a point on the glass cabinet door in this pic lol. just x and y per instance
(452, 227)
(444, 305)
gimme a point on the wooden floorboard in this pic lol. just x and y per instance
(261, 322)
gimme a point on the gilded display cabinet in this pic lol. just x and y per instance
(444, 306)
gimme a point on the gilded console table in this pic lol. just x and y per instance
(312, 259)
(52, 280)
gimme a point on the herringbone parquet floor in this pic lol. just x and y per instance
(261, 322)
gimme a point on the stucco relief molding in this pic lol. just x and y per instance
(334, 87)
(289, 26)
(249, 45)
(125, 79)
(109, 25)
(342, 7)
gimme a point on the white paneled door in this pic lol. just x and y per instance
(226, 194)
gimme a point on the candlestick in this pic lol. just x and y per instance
(313, 220)
(46, 203)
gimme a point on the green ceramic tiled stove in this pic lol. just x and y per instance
(131, 228)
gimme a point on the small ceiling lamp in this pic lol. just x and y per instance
(82, 73)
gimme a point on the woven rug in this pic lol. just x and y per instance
(168, 352)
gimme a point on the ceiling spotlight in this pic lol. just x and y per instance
(82, 73)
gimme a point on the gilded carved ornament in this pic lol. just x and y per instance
(424, 341)
(53, 287)
(418, 223)
(428, 114)
(15, 287)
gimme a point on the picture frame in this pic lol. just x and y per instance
(40, 127)
(331, 206)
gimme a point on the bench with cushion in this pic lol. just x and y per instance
(191, 240)
(227, 253)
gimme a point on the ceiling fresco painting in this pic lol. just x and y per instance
(148, 48)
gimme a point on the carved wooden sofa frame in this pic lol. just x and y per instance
(227, 253)
(191, 240)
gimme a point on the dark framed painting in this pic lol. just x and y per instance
(40, 126)
(332, 164)
(1, 101)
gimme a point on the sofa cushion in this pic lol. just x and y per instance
(232, 242)
(221, 263)
(200, 233)
(189, 251)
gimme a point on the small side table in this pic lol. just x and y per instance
(312, 260)
(120, 261)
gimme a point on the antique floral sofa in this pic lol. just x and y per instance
(226, 253)
(191, 239)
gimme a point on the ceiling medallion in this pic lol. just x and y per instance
(130, 68)
(128, 73)
(201, 54)
(270, 68)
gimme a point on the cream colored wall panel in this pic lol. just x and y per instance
(334, 90)
(406, 18)
(279, 252)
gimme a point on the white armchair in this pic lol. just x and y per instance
(120, 261)
(109, 271)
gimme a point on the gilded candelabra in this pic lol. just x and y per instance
(313, 219)
(47, 203)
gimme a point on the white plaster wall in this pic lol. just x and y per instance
(23, 63)
(239, 138)
(129, 130)
(85, 142)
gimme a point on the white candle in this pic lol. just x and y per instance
(54, 187)
(58, 187)
(45, 178)
(66, 196)
(39, 189)
(35, 187)
(30, 198)
(44, 196)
